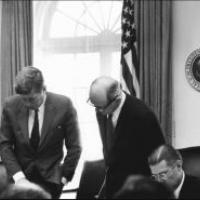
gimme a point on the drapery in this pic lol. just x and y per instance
(153, 19)
(16, 42)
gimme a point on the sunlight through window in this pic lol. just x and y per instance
(74, 43)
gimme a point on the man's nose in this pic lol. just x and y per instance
(159, 179)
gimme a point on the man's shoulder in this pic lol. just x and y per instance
(192, 180)
(58, 99)
(135, 102)
(139, 107)
(12, 100)
(191, 187)
(192, 183)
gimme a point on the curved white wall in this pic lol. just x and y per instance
(186, 38)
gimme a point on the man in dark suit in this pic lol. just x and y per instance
(34, 126)
(166, 167)
(129, 131)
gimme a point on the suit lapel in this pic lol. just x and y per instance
(117, 130)
(49, 114)
(23, 121)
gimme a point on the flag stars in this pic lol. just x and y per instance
(124, 21)
(130, 12)
(128, 33)
(126, 10)
(128, 23)
(132, 2)
(133, 26)
(125, 45)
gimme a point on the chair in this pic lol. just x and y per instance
(191, 160)
(91, 179)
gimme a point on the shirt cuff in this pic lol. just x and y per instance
(18, 176)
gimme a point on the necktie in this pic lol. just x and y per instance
(35, 135)
(109, 133)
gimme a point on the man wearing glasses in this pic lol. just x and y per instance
(129, 132)
(166, 167)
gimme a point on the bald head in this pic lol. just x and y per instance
(104, 90)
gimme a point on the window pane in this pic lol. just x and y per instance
(81, 18)
(85, 41)
(116, 66)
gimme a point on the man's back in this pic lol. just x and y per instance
(191, 188)
(137, 134)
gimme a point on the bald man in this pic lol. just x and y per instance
(129, 131)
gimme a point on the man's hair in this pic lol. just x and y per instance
(28, 79)
(21, 192)
(140, 187)
(165, 152)
(114, 88)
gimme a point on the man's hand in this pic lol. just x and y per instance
(64, 181)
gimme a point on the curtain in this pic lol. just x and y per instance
(16, 42)
(153, 19)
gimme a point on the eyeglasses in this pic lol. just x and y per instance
(163, 175)
(91, 104)
(101, 107)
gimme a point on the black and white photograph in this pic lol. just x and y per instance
(99, 99)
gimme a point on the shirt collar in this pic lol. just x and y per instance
(118, 110)
(43, 103)
(178, 190)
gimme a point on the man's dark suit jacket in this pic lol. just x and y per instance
(59, 125)
(137, 134)
(191, 188)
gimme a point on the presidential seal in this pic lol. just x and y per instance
(192, 69)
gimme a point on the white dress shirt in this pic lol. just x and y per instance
(116, 113)
(178, 190)
(31, 118)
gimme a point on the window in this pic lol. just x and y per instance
(74, 43)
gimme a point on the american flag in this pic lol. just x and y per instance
(129, 61)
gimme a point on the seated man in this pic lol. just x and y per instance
(166, 167)
(140, 187)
